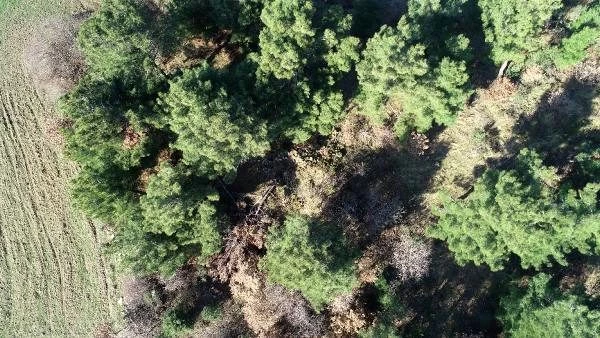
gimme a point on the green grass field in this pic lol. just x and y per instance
(7, 4)
(53, 279)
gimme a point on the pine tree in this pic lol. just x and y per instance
(177, 205)
(117, 36)
(308, 256)
(215, 129)
(541, 311)
(107, 194)
(299, 68)
(421, 63)
(176, 220)
(513, 28)
(521, 212)
(388, 62)
(287, 39)
(95, 136)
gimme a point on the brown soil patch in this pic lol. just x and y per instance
(197, 49)
(52, 57)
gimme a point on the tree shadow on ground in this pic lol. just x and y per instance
(387, 184)
(146, 299)
(275, 168)
(370, 15)
(482, 69)
(453, 300)
(556, 130)
(190, 291)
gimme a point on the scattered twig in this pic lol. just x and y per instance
(467, 193)
(258, 206)
(219, 47)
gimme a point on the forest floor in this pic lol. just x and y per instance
(382, 192)
(54, 280)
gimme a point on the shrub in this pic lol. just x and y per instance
(410, 257)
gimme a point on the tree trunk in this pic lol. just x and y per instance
(503, 69)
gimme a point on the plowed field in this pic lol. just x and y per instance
(53, 277)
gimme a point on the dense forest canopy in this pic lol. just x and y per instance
(181, 98)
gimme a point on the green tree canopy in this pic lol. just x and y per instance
(287, 37)
(178, 205)
(297, 111)
(215, 129)
(108, 194)
(177, 220)
(117, 36)
(513, 28)
(584, 32)
(309, 257)
(305, 49)
(115, 96)
(99, 120)
(109, 112)
(421, 63)
(388, 61)
(521, 212)
(542, 311)
(181, 19)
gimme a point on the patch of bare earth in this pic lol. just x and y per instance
(480, 134)
(193, 51)
(52, 57)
